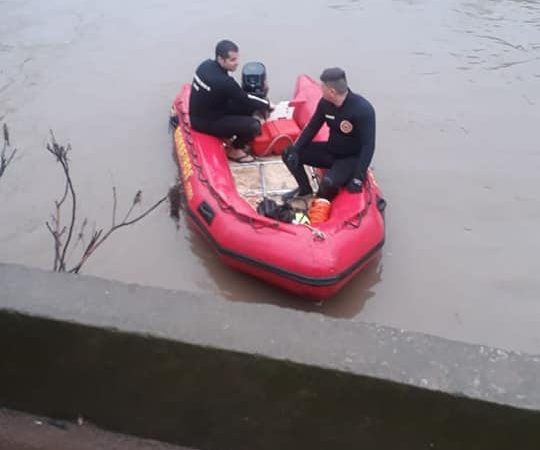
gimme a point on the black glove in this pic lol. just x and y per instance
(355, 185)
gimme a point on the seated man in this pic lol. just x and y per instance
(218, 105)
(349, 149)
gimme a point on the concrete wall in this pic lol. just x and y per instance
(191, 370)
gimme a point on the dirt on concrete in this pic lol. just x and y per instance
(20, 431)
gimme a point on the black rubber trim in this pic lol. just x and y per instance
(311, 281)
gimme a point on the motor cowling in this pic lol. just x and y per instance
(254, 79)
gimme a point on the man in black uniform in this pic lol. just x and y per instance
(218, 105)
(349, 149)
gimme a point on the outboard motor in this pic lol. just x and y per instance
(254, 79)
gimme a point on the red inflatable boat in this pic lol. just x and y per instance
(311, 262)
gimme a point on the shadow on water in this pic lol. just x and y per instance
(347, 304)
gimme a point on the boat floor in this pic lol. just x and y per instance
(266, 177)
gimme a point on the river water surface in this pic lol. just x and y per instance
(456, 87)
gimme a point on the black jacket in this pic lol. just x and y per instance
(352, 129)
(214, 94)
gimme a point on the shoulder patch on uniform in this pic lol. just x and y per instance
(345, 126)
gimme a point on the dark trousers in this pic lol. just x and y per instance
(340, 169)
(237, 124)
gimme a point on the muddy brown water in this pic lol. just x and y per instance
(456, 87)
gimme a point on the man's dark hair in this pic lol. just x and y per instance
(224, 47)
(335, 78)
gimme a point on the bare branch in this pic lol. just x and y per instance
(73, 208)
(7, 154)
(79, 239)
(80, 236)
(61, 154)
(114, 206)
(59, 203)
(57, 244)
(136, 200)
(97, 239)
(138, 197)
(90, 248)
(63, 248)
(144, 214)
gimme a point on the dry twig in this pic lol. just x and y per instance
(61, 154)
(98, 237)
(7, 154)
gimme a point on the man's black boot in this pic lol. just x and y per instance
(296, 193)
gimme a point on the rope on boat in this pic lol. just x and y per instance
(317, 234)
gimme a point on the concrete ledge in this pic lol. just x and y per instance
(188, 369)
